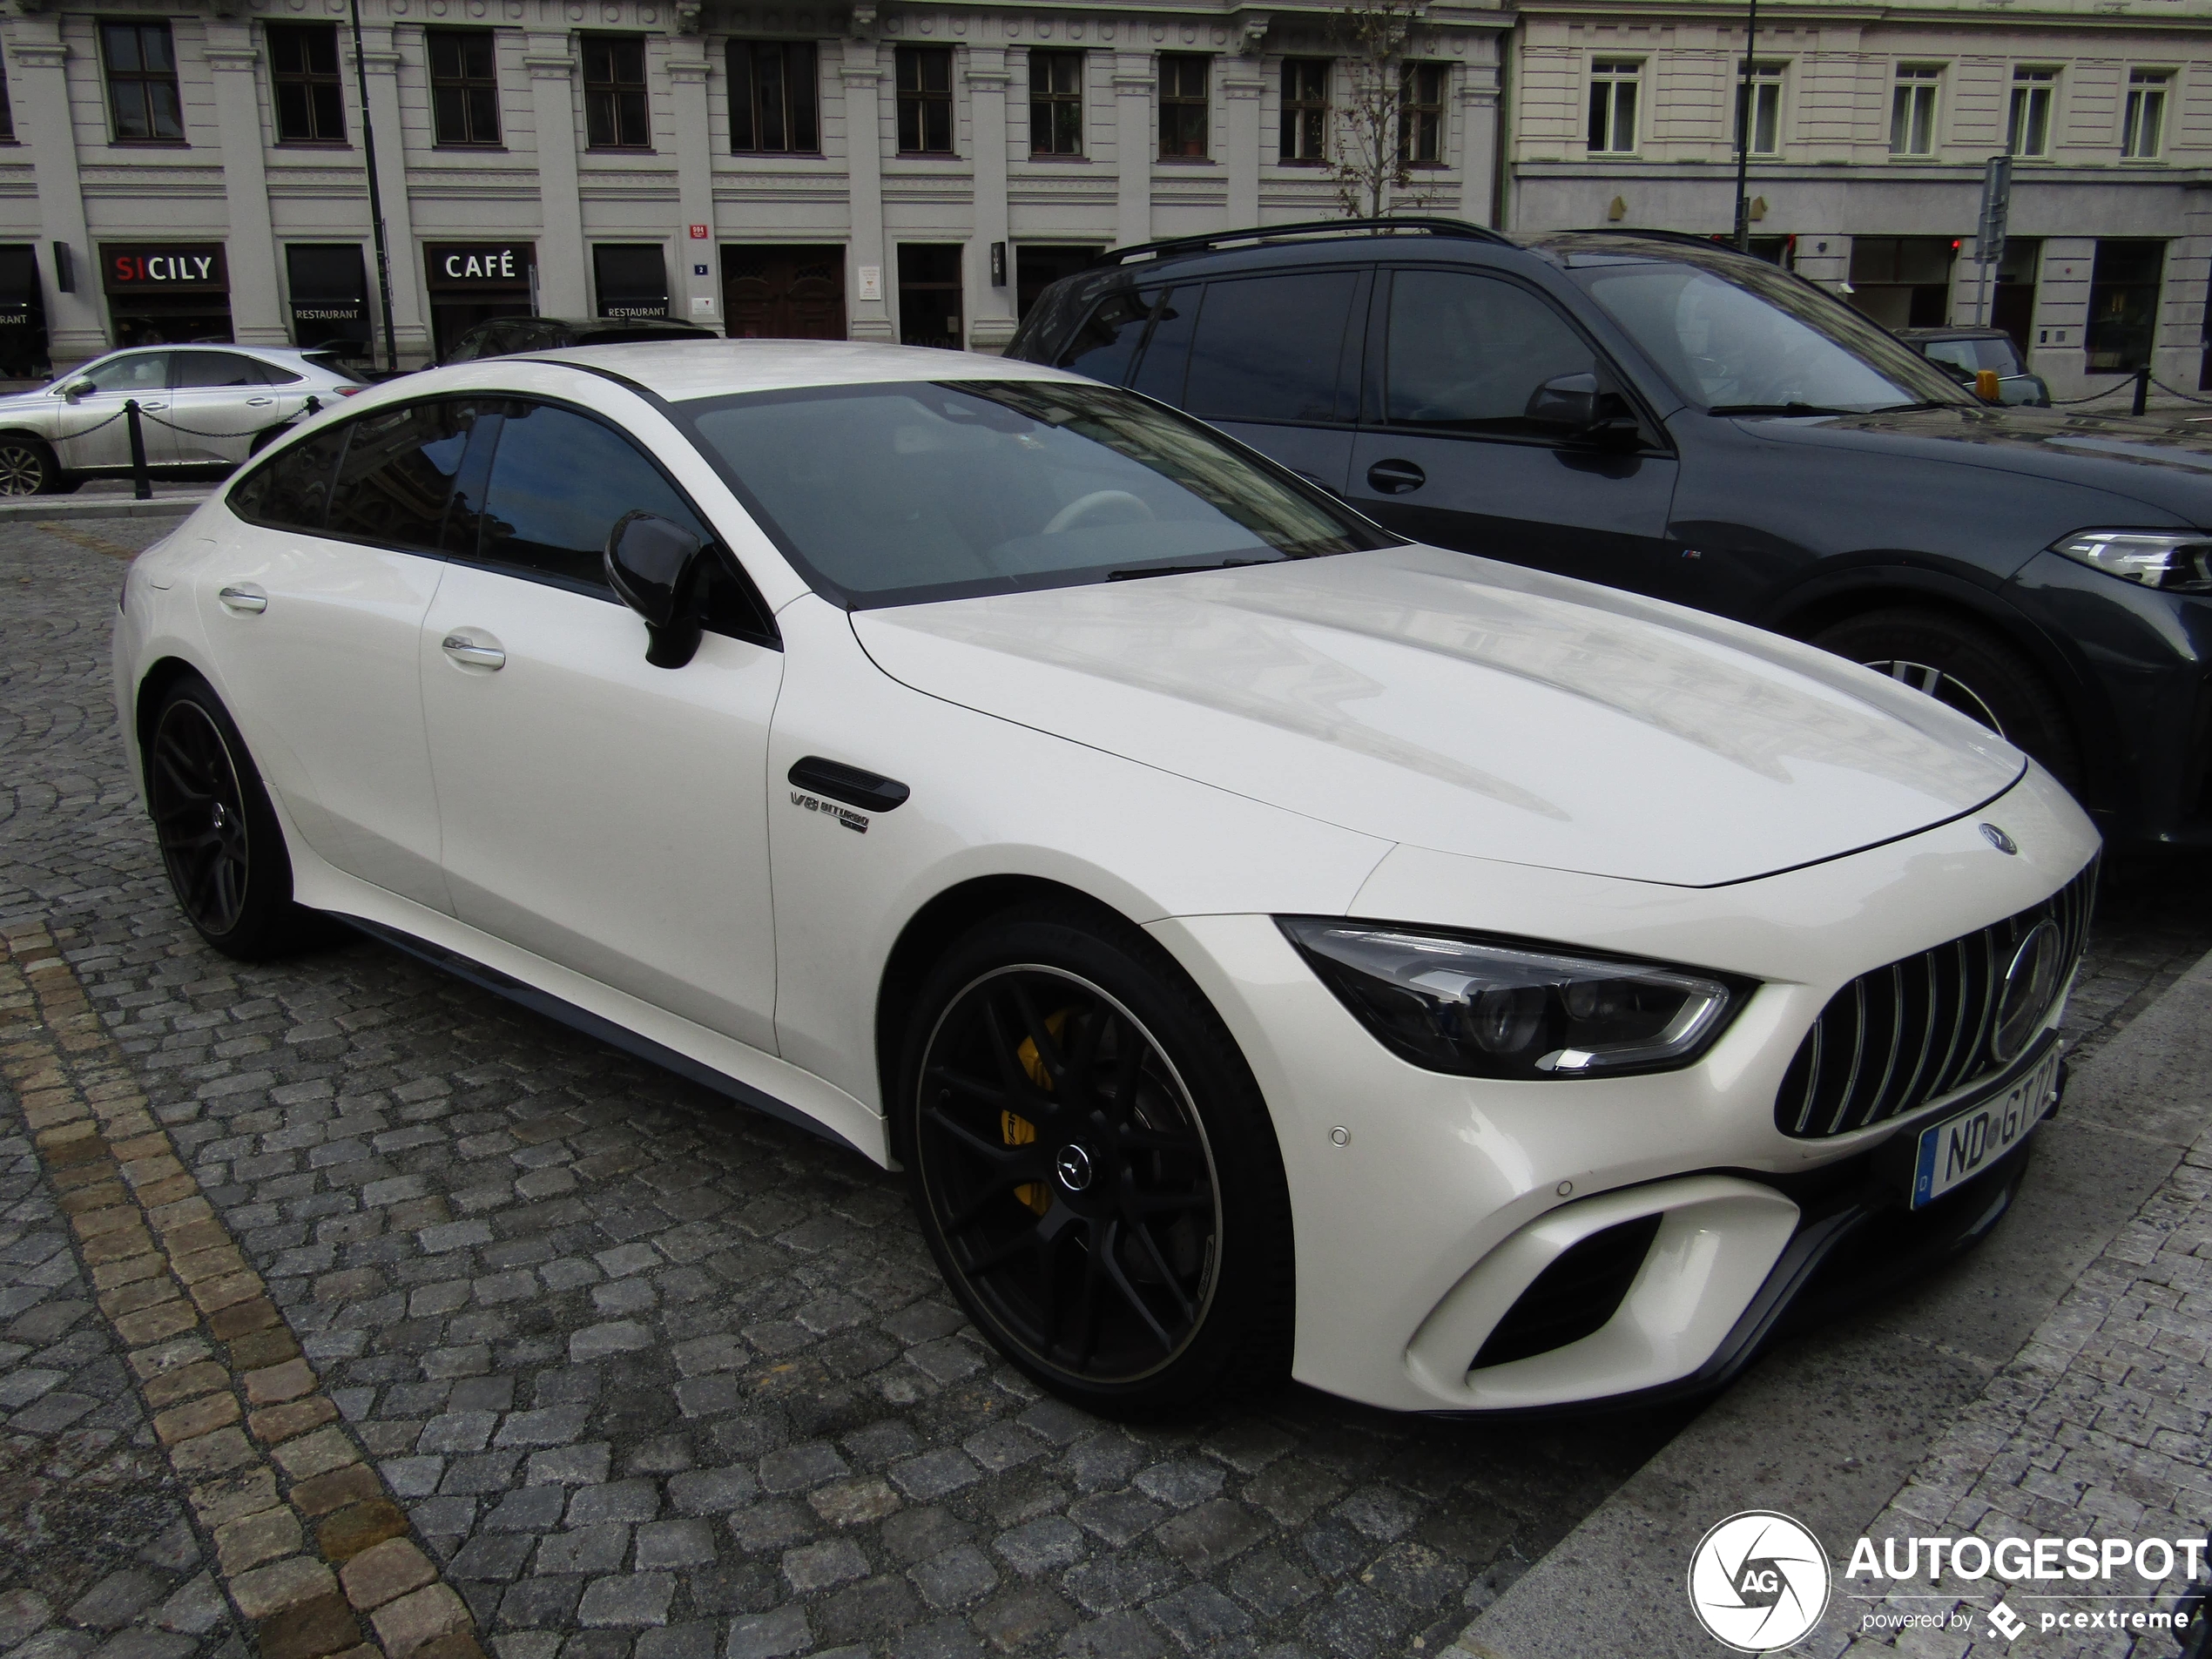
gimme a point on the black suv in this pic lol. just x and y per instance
(1662, 413)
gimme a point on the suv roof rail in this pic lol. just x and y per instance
(1305, 228)
(1692, 238)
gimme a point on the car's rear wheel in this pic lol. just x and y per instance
(220, 839)
(27, 466)
(1969, 668)
(1094, 1169)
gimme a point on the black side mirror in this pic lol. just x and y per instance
(656, 566)
(1574, 404)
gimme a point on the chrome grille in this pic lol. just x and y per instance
(1902, 1036)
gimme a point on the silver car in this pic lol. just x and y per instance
(202, 410)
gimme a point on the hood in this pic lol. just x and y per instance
(1444, 701)
(2159, 460)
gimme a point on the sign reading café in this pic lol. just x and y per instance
(462, 265)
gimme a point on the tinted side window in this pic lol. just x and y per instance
(559, 481)
(190, 369)
(1167, 349)
(1106, 345)
(290, 490)
(1269, 347)
(393, 485)
(145, 371)
(1467, 352)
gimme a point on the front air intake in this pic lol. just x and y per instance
(1919, 1028)
(1573, 1297)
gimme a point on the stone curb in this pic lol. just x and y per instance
(52, 507)
(306, 1540)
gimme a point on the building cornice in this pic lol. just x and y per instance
(1991, 16)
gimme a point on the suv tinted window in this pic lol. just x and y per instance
(199, 370)
(1166, 349)
(1268, 347)
(1106, 344)
(559, 481)
(145, 371)
(1467, 352)
(290, 490)
(393, 485)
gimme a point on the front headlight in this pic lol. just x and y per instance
(2177, 560)
(1496, 1007)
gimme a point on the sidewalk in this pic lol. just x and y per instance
(2057, 1384)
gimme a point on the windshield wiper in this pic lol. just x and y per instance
(1778, 408)
(1136, 571)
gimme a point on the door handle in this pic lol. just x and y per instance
(1396, 477)
(245, 598)
(462, 649)
(259, 402)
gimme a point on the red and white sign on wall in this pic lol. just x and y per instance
(698, 233)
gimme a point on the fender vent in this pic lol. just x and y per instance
(1575, 1296)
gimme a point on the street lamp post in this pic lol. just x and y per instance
(375, 196)
(1743, 132)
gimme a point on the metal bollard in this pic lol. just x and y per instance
(314, 406)
(141, 486)
(2142, 390)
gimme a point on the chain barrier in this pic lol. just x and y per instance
(2175, 391)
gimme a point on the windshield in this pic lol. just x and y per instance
(331, 363)
(1758, 340)
(917, 490)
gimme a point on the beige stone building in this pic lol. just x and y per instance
(1870, 128)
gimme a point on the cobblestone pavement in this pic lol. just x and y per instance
(656, 1376)
(2101, 1426)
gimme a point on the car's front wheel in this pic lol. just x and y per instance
(220, 839)
(27, 466)
(1096, 1172)
(1968, 668)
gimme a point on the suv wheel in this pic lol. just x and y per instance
(1966, 667)
(1094, 1170)
(27, 466)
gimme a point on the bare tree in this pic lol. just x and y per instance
(1370, 162)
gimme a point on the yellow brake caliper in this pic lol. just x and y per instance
(1019, 1131)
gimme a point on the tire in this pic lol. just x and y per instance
(266, 436)
(27, 466)
(1094, 1168)
(1971, 669)
(220, 839)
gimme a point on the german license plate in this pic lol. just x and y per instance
(1968, 1142)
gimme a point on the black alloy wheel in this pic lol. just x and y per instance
(220, 839)
(1967, 668)
(27, 467)
(1097, 1218)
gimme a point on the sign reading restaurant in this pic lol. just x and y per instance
(132, 269)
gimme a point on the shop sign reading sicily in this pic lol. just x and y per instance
(1759, 1582)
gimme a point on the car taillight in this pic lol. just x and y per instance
(348, 391)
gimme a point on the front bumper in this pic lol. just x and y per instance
(1425, 1205)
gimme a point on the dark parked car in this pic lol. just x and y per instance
(508, 335)
(1967, 352)
(1668, 415)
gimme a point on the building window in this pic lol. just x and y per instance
(615, 115)
(925, 100)
(1913, 108)
(142, 82)
(2028, 131)
(464, 86)
(2144, 130)
(772, 98)
(1421, 113)
(1612, 106)
(2123, 305)
(1056, 103)
(1766, 100)
(1305, 108)
(303, 70)
(7, 109)
(1184, 123)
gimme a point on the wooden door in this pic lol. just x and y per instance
(772, 291)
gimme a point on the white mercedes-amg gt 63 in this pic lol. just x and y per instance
(1268, 946)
